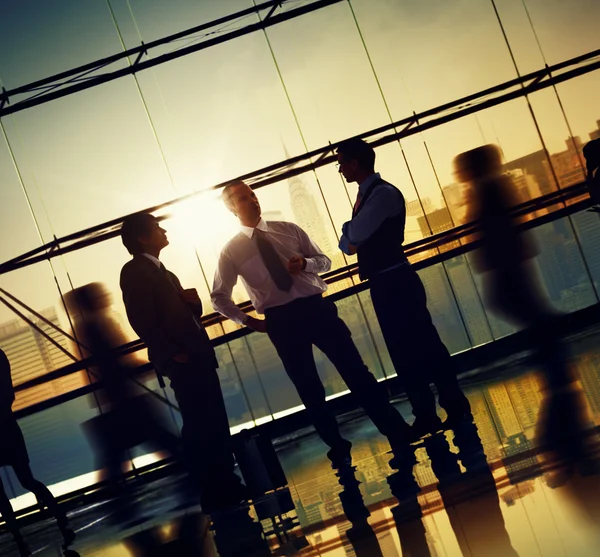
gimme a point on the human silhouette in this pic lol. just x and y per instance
(470, 498)
(361, 536)
(376, 233)
(279, 265)
(512, 290)
(167, 318)
(13, 452)
(408, 514)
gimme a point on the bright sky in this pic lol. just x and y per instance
(94, 156)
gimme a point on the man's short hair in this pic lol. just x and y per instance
(358, 150)
(135, 227)
(226, 192)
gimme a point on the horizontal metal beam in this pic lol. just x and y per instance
(78, 79)
(309, 162)
(437, 241)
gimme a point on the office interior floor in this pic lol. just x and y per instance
(485, 489)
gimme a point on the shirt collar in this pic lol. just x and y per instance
(367, 183)
(249, 230)
(152, 258)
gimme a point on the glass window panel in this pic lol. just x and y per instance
(429, 53)
(150, 20)
(280, 392)
(241, 384)
(561, 266)
(58, 448)
(15, 214)
(469, 300)
(94, 159)
(220, 113)
(564, 29)
(39, 39)
(331, 86)
(443, 308)
(31, 354)
(587, 228)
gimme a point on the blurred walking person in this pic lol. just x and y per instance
(512, 290)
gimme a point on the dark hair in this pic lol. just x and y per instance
(135, 227)
(358, 150)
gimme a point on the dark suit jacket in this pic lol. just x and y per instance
(160, 316)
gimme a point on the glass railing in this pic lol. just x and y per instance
(255, 385)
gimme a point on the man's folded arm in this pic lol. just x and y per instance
(381, 204)
(316, 260)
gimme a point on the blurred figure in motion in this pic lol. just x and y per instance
(167, 318)
(512, 291)
(13, 452)
(476, 515)
(130, 415)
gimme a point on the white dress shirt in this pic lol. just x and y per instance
(241, 258)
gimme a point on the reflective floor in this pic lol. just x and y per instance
(486, 489)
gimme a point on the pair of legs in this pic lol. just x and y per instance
(207, 444)
(417, 352)
(19, 461)
(293, 329)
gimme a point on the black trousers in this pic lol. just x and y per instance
(417, 352)
(293, 329)
(205, 433)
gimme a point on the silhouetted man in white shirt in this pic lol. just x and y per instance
(279, 265)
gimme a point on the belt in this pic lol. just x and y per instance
(291, 305)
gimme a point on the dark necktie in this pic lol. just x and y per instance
(272, 262)
(356, 203)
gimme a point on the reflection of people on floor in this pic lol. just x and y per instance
(361, 536)
(167, 318)
(129, 415)
(512, 290)
(408, 514)
(13, 452)
(375, 234)
(279, 265)
(471, 498)
(188, 537)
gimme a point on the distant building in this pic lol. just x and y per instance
(32, 355)
(417, 207)
(436, 221)
(569, 164)
(308, 215)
